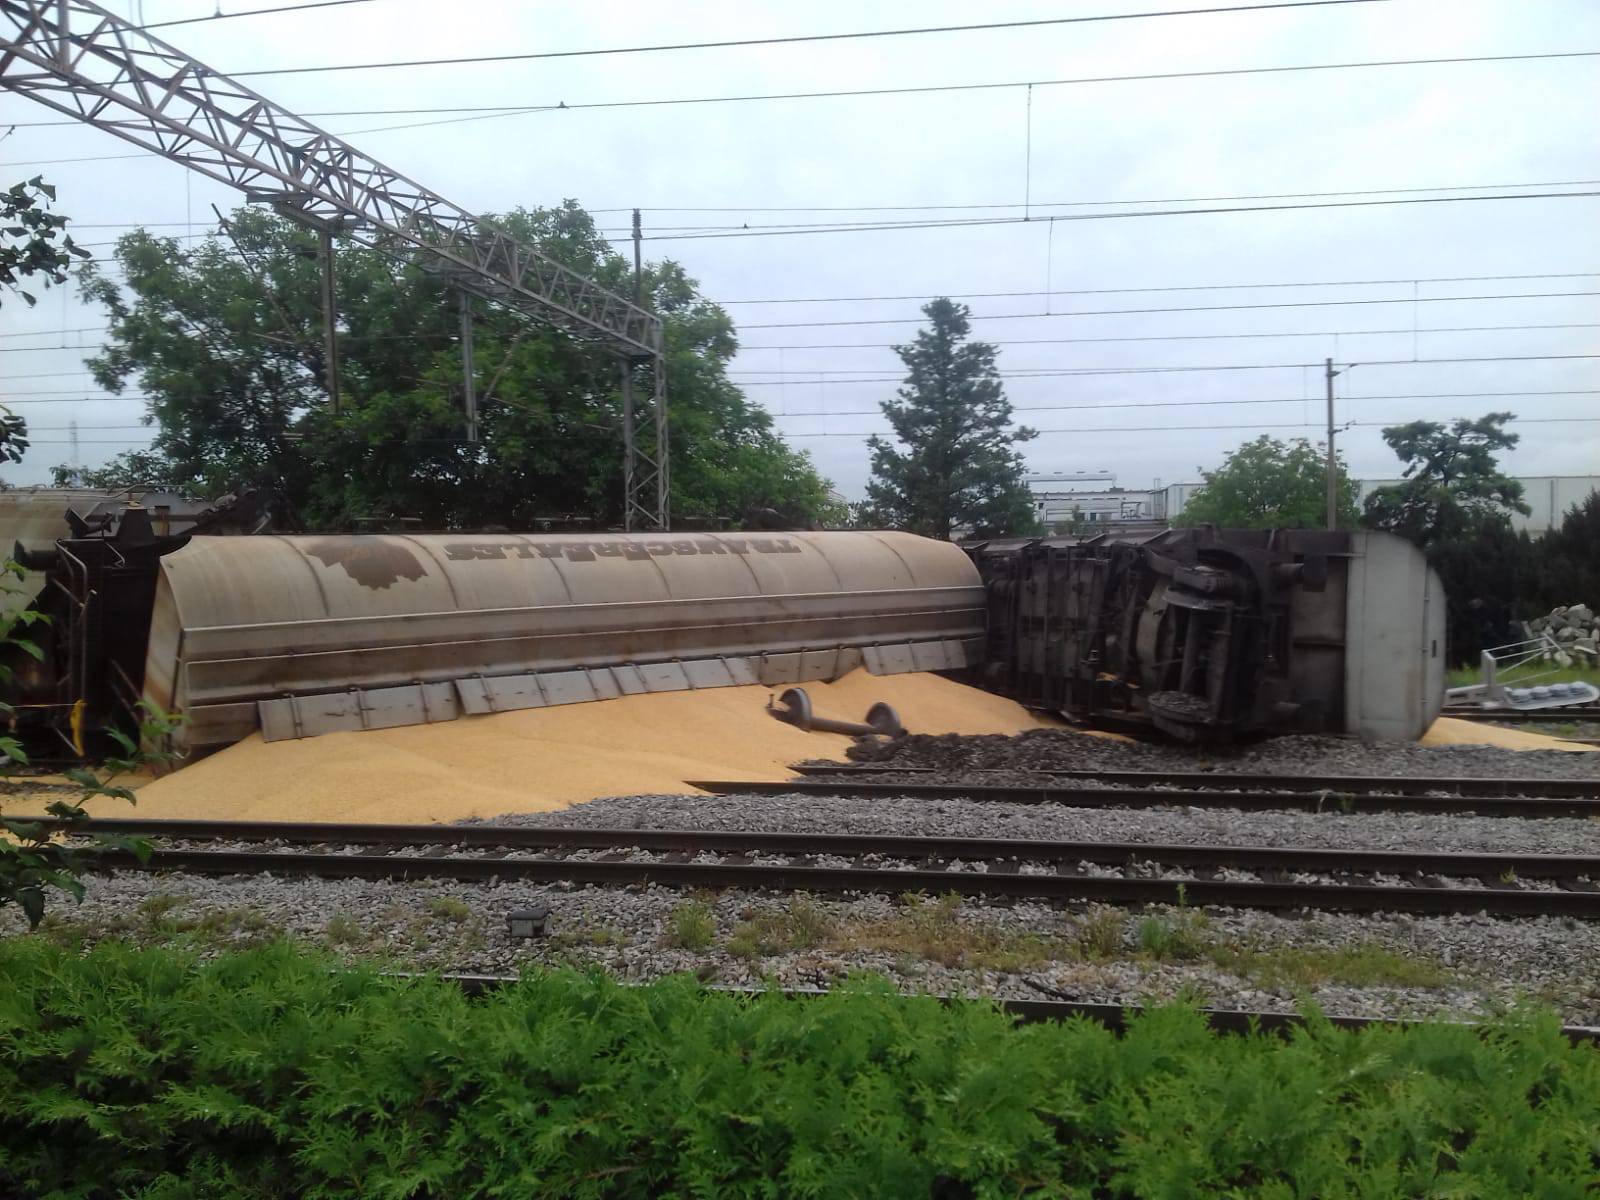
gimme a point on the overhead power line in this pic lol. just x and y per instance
(1027, 408)
(795, 39)
(1111, 312)
(251, 12)
(1409, 331)
(863, 435)
(889, 226)
(495, 111)
(1038, 217)
(56, 162)
(1191, 403)
(1106, 429)
(1035, 206)
(1181, 287)
(10, 403)
(802, 377)
(1115, 311)
(563, 106)
(58, 332)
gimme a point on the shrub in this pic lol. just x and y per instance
(270, 1073)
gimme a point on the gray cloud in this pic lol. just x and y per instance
(1313, 132)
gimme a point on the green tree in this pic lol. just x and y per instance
(224, 339)
(959, 469)
(1268, 484)
(1452, 486)
(33, 243)
(1455, 503)
(1568, 561)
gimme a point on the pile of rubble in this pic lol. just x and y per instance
(1576, 630)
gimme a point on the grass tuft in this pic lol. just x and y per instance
(764, 932)
(933, 930)
(345, 930)
(1099, 934)
(1305, 968)
(449, 908)
(690, 927)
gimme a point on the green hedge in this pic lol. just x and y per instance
(265, 1073)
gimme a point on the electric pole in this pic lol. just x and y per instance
(469, 382)
(1333, 465)
(638, 260)
(330, 317)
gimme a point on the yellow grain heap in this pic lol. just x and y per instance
(1448, 731)
(547, 758)
(543, 759)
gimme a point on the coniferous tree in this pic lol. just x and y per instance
(956, 468)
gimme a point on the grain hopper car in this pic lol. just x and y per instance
(1201, 634)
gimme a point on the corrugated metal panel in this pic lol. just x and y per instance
(383, 708)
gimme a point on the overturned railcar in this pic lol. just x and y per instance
(304, 635)
(301, 635)
(1208, 634)
(1202, 634)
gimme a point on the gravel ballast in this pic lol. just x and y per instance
(957, 818)
(1480, 963)
(1464, 965)
(1302, 755)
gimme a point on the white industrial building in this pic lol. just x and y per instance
(1061, 501)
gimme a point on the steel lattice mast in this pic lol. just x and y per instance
(80, 59)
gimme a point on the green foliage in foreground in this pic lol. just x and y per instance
(267, 1073)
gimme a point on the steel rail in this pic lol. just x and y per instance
(1246, 781)
(1115, 1017)
(1586, 805)
(1523, 716)
(871, 880)
(899, 846)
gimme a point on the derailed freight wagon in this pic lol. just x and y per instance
(1208, 634)
(1203, 634)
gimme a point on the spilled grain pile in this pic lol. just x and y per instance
(1448, 731)
(541, 759)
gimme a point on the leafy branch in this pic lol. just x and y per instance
(36, 241)
(38, 856)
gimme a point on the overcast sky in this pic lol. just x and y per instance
(1527, 124)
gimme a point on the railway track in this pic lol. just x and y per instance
(1051, 871)
(1062, 1008)
(1586, 803)
(1525, 716)
(1359, 785)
